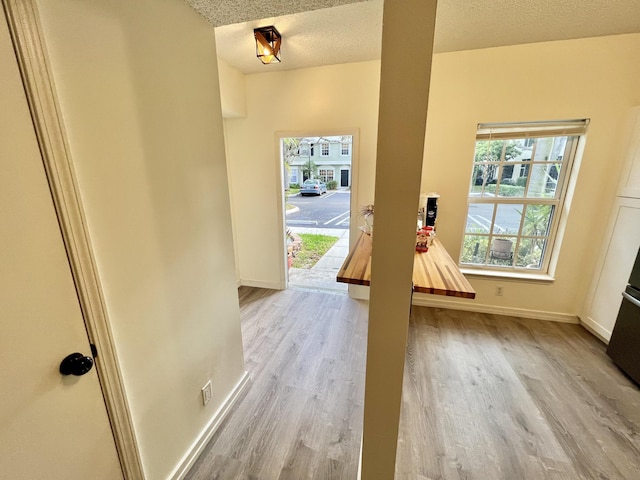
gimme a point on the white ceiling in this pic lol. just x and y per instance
(325, 32)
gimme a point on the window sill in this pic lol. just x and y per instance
(529, 277)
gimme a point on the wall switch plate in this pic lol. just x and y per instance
(207, 392)
(499, 291)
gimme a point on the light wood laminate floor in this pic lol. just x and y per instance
(485, 397)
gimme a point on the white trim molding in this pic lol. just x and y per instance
(201, 441)
(472, 306)
(596, 329)
(437, 301)
(261, 284)
(33, 60)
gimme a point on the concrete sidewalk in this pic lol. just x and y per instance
(322, 275)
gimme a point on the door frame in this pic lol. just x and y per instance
(31, 53)
(280, 197)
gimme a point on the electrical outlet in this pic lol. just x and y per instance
(499, 290)
(207, 392)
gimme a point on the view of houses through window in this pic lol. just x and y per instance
(317, 177)
(517, 191)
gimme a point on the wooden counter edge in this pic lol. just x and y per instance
(356, 270)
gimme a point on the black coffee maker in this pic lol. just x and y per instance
(431, 210)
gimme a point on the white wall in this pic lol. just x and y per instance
(232, 91)
(592, 78)
(138, 88)
(588, 78)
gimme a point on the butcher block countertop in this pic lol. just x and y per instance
(433, 271)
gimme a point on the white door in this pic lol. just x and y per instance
(51, 426)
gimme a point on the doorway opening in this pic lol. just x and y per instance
(317, 174)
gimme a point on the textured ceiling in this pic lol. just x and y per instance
(226, 12)
(324, 32)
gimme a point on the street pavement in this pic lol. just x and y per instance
(327, 211)
(507, 218)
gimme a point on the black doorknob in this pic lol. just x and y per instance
(76, 364)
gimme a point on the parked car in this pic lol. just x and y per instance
(313, 187)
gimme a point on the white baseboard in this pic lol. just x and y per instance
(196, 448)
(362, 293)
(261, 284)
(595, 328)
(471, 306)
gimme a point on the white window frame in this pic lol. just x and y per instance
(574, 130)
(345, 149)
(324, 146)
(323, 173)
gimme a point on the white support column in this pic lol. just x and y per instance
(407, 47)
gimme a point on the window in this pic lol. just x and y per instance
(293, 177)
(324, 151)
(326, 174)
(345, 149)
(517, 191)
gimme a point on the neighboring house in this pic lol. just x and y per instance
(330, 159)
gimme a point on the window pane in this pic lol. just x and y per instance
(507, 174)
(477, 179)
(530, 253)
(544, 180)
(474, 249)
(508, 219)
(490, 172)
(498, 150)
(512, 150)
(537, 220)
(479, 218)
(550, 149)
(488, 150)
(513, 180)
(501, 252)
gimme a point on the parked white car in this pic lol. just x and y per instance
(313, 187)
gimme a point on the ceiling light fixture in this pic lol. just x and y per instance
(268, 41)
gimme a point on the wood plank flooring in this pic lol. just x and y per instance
(485, 397)
(302, 415)
(492, 397)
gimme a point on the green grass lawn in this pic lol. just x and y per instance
(313, 248)
(293, 191)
